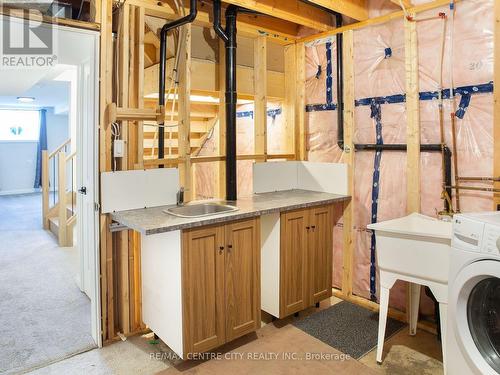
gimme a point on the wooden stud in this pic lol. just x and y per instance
(221, 141)
(185, 170)
(105, 99)
(413, 118)
(260, 101)
(300, 141)
(348, 158)
(412, 131)
(122, 238)
(289, 104)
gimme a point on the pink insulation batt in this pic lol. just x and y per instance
(379, 73)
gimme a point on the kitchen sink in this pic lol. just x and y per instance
(200, 209)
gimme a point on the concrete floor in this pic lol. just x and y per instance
(403, 354)
(45, 317)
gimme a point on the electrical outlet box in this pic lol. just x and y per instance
(118, 148)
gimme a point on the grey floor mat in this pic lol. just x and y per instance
(347, 327)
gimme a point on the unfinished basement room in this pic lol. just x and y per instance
(250, 187)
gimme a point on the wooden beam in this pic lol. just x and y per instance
(38, 17)
(260, 101)
(356, 9)
(296, 10)
(185, 170)
(496, 109)
(280, 31)
(122, 238)
(221, 139)
(299, 131)
(289, 104)
(406, 3)
(412, 117)
(376, 20)
(348, 158)
(205, 78)
(412, 133)
(105, 98)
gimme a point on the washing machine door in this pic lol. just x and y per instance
(475, 298)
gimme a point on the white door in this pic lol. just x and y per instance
(475, 305)
(87, 182)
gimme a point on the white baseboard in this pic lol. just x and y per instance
(20, 191)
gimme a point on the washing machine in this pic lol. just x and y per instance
(473, 327)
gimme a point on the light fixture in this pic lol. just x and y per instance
(25, 99)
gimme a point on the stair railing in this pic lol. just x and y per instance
(58, 191)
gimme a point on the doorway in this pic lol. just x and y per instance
(49, 279)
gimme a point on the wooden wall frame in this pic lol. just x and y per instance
(114, 312)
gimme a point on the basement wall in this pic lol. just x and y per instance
(379, 65)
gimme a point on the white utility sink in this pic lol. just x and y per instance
(416, 249)
(415, 245)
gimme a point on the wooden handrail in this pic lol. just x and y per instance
(54, 153)
(71, 156)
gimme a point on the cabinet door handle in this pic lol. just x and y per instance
(229, 246)
(221, 249)
(308, 228)
(313, 227)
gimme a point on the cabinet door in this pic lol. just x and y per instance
(242, 278)
(203, 289)
(293, 262)
(320, 253)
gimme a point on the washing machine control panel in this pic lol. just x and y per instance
(467, 233)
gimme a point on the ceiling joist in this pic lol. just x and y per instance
(277, 30)
(291, 10)
(406, 3)
(355, 9)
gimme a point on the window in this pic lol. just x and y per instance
(19, 125)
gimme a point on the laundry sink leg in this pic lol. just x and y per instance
(413, 307)
(382, 320)
(443, 313)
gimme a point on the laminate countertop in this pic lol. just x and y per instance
(155, 220)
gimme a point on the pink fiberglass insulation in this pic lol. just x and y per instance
(380, 71)
(206, 175)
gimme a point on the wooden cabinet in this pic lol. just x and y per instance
(293, 262)
(306, 248)
(221, 284)
(320, 249)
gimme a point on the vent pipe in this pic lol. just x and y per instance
(228, 35)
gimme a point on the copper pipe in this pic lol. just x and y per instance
(484, 179)
(491, 190)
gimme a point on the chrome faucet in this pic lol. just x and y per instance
(180, 197)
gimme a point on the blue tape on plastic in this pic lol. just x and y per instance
(484, 88)
(329, 79)
(376, 114)
(464, 103)
(270, 113)
(321, 107)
